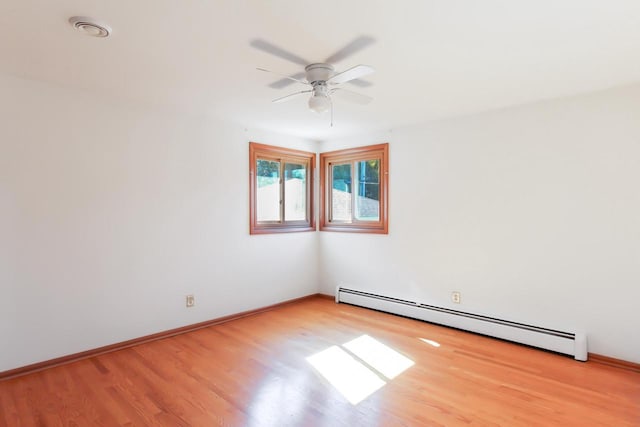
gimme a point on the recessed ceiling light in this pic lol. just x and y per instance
(90, 26)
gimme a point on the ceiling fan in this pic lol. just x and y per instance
(321, 76)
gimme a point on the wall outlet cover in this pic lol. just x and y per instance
(455, 297)
(191, 300)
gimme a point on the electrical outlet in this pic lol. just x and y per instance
(455, 297)
(191, 300)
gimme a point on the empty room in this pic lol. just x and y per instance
(296, 213)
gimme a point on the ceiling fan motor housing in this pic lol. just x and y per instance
(319, 72)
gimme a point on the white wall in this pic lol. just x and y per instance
(532, 213)
(111, 213)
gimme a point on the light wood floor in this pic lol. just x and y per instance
(254, 372)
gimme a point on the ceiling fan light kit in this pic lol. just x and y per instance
(319, 103)
(321, 76)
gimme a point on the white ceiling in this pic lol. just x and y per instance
(433, 58)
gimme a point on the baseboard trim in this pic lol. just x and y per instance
(617, 363)
(327, 296)
(35, 367)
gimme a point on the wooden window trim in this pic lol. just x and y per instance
(380, 151)
(263, 151)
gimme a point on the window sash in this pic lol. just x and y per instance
(355, 195)
(282, 193)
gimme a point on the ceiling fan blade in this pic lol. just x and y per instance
(291, 96)
(285, 77)
(267, 47)
(360, 83)
(351, 74)
(354, 97)
(357, 44)
(279, 84)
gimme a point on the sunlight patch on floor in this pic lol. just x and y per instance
(358, 368)
(380, 357)
(352, 379)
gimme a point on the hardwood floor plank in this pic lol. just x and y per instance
(255, 371)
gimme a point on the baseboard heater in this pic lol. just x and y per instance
(570, 343)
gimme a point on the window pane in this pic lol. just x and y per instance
(368, 191)
(295, 192)
(268, 197)
(341, 192)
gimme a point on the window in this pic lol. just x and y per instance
(280, 189)
(354, 190)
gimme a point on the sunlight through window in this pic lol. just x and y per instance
(380, 357)
(352, 379)
(430, 342)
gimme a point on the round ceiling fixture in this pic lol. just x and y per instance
(89, 26)
(319, 103)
